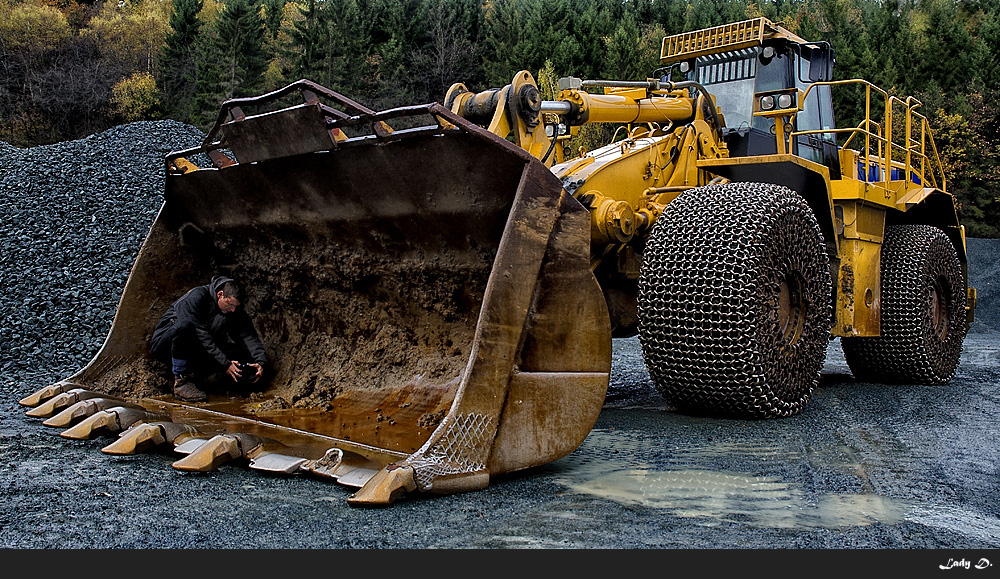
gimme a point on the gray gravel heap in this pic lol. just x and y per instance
(73, 216)
(984, 275)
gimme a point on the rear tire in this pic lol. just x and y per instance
(734, 301)
(923, 312)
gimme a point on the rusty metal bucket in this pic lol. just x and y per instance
(424, 295)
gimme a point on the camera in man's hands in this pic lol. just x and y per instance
(247, 372)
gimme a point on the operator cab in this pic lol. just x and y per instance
(735, 77)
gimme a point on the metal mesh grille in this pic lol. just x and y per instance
(464, 448)
(914, 259)
(708, 301)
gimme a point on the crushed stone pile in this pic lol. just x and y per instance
(73, 216)
(984, 275)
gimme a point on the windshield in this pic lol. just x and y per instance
(731, 78)
(734, 77)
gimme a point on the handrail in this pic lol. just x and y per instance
(910, 155)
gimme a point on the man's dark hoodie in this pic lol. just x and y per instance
(199, 309)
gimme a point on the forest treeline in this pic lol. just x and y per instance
(69, 68)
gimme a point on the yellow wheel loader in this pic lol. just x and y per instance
(438, 285)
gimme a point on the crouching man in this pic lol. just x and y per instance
(206, 331)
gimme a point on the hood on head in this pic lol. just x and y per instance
(217, 282)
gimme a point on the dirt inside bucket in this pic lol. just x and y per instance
(338, 319)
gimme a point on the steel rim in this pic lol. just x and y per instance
(939, 309)
(791, 309)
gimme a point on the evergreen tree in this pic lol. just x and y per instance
(177, 64)
(890, 29)
(505, 40)
(308, 42)
(345, 47)
(987, 66)
(273, 10)
(550, 36)
(240, 38)
(944, 46)
(595, 21)
(623, 60)
(395, 31)
(707, 13)
(209, 91)
(275, 37)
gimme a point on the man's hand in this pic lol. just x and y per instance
(234, 370)
(259, 371)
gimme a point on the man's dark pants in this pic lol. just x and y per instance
(176, 343)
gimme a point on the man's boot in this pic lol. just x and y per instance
(185, 389)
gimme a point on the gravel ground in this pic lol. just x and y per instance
(864, 466)
(74, 215)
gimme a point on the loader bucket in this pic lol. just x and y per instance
(424, 296)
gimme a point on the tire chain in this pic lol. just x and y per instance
(908, 351)
(707, 316)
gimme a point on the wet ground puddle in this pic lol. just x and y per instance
(723, 496)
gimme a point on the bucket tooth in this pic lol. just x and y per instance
(64, 400)
(140, 437)
(45, 393)
(86, 429)
(81, 410)
(137, 439)
(108, 421)
(385, 487)
(216, 451)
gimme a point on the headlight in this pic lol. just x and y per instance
(784, 101)
(766, 103)
(553, 130)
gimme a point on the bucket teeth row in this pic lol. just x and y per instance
(85, 414)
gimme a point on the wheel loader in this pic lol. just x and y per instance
(438, 285)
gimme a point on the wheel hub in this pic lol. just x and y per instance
(791, 309)
(939, 309)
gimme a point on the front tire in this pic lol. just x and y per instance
(923, 312)
(734, 301)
